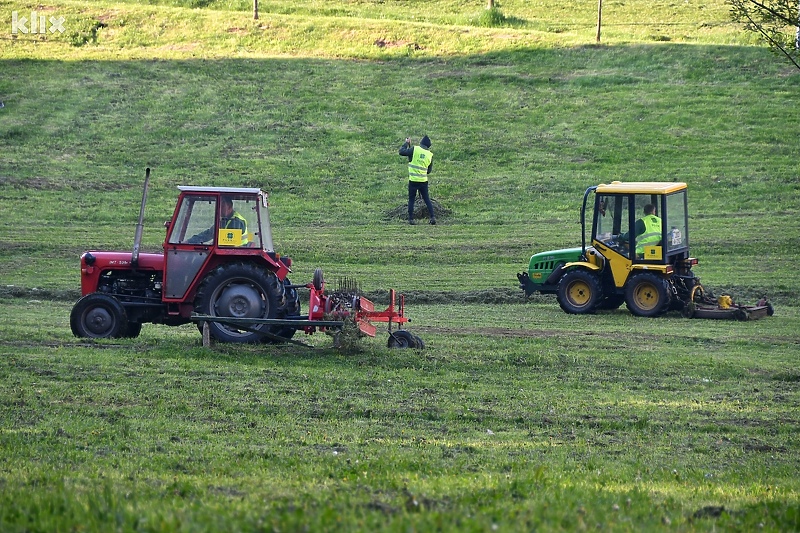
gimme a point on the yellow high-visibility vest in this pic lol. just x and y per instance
(241, 219)
(418, 166)
(651, 235)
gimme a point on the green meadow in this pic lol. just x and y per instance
(516, 416)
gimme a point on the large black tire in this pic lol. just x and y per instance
(241, 290)
(134, 328)
(98, 316)
(611, 302)
(648, 295)
(290, 309)
(579, 292)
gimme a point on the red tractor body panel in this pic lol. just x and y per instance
(105, 261)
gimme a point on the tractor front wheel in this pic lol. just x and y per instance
(647, 295)
(239, 290)
(98, 316)
(579, 292)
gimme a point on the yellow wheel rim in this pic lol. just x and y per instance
(646, 296)
(579, 293)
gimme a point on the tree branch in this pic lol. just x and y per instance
(772, 41)
(775, 14)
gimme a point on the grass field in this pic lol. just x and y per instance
(516, 416)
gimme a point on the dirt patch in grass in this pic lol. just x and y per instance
(41, 183)
(420, 211)
(383, 43)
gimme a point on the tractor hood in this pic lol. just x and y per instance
(547, 261)
(94, 263)
(545, 268)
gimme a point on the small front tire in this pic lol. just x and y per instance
(402, 339)
(319, 279)
(98, 316)
(579, 292)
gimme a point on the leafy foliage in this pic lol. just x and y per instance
(776, 21)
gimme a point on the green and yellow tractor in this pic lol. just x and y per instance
(637, 254)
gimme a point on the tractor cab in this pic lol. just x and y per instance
(212, 225)
(640, 224)
(223, 216)
(638, 228)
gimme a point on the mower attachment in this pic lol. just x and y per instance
(702, 305)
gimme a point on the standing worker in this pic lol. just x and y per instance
(420, 163)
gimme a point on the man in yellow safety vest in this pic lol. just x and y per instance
(420, 163)
(229, 219)
(648, 229)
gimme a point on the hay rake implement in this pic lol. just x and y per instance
(342, 313)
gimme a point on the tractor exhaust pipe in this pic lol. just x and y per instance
(137, 240)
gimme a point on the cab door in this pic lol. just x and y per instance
(189, 242)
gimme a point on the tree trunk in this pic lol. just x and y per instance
(489, 4)
(797, 34)
(255, 9)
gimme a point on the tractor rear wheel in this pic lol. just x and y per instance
(98, 316)
(647, 295)
(239, 290)
(579, 292)
(134, 328)
(611, 302)
(291, 309)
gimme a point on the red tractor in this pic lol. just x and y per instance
(219, 269)
(215, 262)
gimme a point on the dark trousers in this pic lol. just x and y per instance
(422, 187)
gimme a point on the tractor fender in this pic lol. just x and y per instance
(585, 264)
(661, 269)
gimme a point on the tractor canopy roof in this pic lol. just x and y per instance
(221, 190)
(640, 187)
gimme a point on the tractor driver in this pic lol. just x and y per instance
(648, 230)
(229, 219)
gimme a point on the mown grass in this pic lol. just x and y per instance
(518, 137)
(516, 416)
(494, 426)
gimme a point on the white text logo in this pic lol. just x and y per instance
(36, 24)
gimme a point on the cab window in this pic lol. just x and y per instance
(195, 221)
(677, 232)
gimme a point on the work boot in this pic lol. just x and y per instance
(433, 222)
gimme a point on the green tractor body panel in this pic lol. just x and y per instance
(545, 269)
